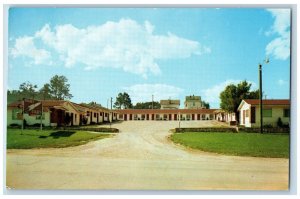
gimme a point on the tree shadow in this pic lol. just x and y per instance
(58, 134)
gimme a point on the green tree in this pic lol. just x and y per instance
(205, 104)
(147, 105)
(45, 92)
(123, 101)
(59, 88)
(13, 95)
(28, 90)
(232, 96)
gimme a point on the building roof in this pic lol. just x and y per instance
(270, 102)
(169, 102)
(166, 111)
(192, 97)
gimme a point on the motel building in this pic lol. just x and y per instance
(57, 113)
(166, 114)
(272, 110)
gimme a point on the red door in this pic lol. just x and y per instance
(152, 116)
(130, 117)
(147, 116)
(193, 116)
(125, 117)
(175, 116)
(170, 116)
(198, 117)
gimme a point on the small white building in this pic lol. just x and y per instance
(249, 110)
(224, 116)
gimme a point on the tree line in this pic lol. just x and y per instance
(57, 89)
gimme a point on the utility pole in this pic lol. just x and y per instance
(266, 61)
(260, 98)
(111, 112)
(152, 101)
(179, 118)
(41, 116)
(23, 114)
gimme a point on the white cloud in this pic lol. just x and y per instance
(212, 94)
(144, 92)
(24, 46)
(282, 82)
(125, 45)
(280, 46)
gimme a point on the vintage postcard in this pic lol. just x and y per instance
(148, 98)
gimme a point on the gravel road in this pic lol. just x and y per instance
(141, 157)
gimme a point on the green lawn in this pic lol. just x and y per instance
(49, 138)
(241, 144)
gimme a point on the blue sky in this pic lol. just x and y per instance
(165, 52)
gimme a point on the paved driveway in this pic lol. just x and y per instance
(141, 157)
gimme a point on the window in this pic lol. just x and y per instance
(267, 112)
(286, 112)
(253, 115)
(16, 114)
(95, 114)
(101, 114)
(38, 117)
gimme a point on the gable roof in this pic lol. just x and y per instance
(268, 101)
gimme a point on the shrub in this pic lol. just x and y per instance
(25, 123)
(37, 125)
(15, 125)
(268, 126)
(279, 122)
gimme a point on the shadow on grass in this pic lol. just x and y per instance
(58, 134)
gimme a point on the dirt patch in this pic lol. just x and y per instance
(142, 157)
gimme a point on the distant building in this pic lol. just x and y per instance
(193, 102)
(169, 104)
(166, 114)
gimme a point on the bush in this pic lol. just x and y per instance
(25, 123)
(37, 125)
(15, 125)
(279, 122)
(268, 126)
(93, 123)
